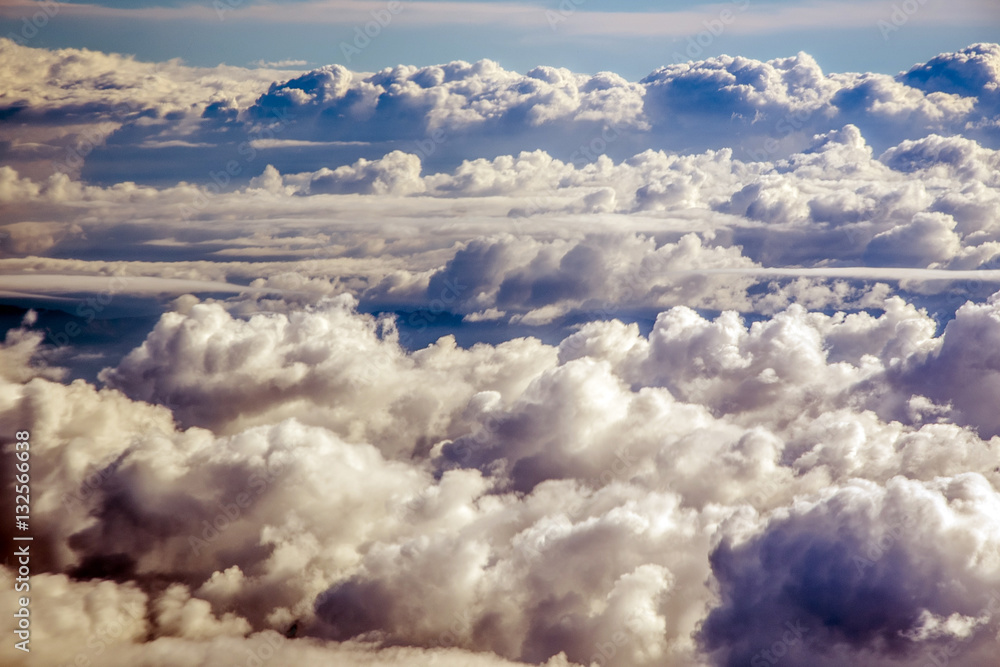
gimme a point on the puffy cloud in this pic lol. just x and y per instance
(505, 607)
(964, 369)
(516, 500)
(597, 272)
(763, 108)
(69, 619)
(329, 365)
(834, 201)
(973, 72)
(451, 97)
(927, 240)
(86, 98)
(864, 571)
(731, 95)
(954, 157)
(117, 624)
(725, 437)
(180, 615)
(890, 110)
(397, 173)
(23, 356)
(94, 107)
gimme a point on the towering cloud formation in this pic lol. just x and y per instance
(461, 111)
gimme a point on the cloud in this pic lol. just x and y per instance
(280, 64)
(327, 359)
(90, 97)
(865, 570)
(964, 366)
(102, 620)
(130, 284)
(539, 368)
(971, 72)
(765, 18)
(954, 157)
(923, 205)
(539, 500)
(444, 110)
(598, 272)
(762, 107)
(397, 173)
(98, 109)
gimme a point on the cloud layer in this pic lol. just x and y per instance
(558, 500)
(456, 365)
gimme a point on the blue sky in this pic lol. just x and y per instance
(630, 38)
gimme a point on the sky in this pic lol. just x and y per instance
(576, 335)
(629, 38)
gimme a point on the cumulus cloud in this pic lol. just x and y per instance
(971, 72)
(397, 173)
(963, 369)
(97, 107)
(444, 106)
(548, 369)
(601, 453)
(864, 571)
(88, 98)
(762, 107)
(594, 273)
(572, 492)
(333, 365)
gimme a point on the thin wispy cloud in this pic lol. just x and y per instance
(742, 17)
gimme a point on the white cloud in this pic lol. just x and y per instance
(755, 397)
(625, 454)
(878, 559)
